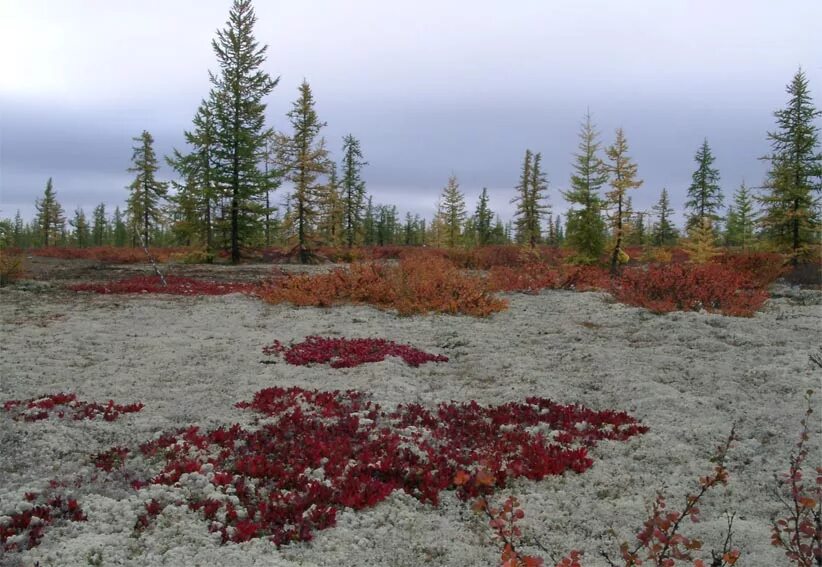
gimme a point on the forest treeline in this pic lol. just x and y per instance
(234, 168)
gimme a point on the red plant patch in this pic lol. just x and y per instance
(66, 406)
(315, 452)
(176, 285)
(23, 530)
(347, 353)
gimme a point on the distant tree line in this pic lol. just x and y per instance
(226, 197)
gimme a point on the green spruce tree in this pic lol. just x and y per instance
(99, 225)
(452, 212)
(584, 226)
(791, 201)
(81, 229)
(664, 233)
(146, 193)
(704, 194)
(239, 115)
(482, 219)
(352, 189)
(51, 219)
(741, 219)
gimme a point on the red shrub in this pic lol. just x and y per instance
(316, 452)
(762, 268)
(686, 287)
(176, 286)
(26, 528)
(531, 278)
(347, 353)
(66, 406)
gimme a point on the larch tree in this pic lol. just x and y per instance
(704, 194)
(483, 217)
(584, 226)
(352, 190)
(331, 212)
(623, 177)
(239, 114)
(741, 219)
(791, 200)
(307, 162)
(50, 216)
(452, 212)
(663, 233)
(146, 192)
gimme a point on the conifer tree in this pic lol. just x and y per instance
(99, 226)
(369, 224)
(741, 219)
(482, 219)
(331, 212)
(18, 230)
(239, 113)
(623, 174)
(701, 242)
(530, 200)
(560, 235)
(119, 230)
(452, 212)
(704, 193)
(663, 233)
(81, 229)
(199, 170)
(352, 189)
(308, 160)
(144, 208)
(584, 227)
(791, 203)
(50, 216)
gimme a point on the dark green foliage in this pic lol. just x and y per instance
(664, 233)
(352, 189)
(704, 194)
(741, 219)
(144, 210)
(530, 200)
(584, 227)
(119, 230)
(791, 203)
(482, 219)
(239, 116)
(50, 216)
(452, 212)
(81, 229)
(99, 226)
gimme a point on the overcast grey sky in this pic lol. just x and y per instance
(430, 87)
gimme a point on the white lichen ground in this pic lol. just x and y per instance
(689, 376)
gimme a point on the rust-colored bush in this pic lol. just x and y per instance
(109, 254)
(11, 267)
(763, 268)
(420, 283)
(687, 287)
(531, 278)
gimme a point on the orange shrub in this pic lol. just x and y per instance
(531, 278)
(109, 254)
(762, 267)
(420, 283)
(687, 287)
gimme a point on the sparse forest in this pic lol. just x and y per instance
(262, 359)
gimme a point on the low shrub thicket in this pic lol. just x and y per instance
(417, 284)
(176, 285)
(347, 353)
(109, 254)
(11, 267)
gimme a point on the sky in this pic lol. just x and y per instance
(432, 88)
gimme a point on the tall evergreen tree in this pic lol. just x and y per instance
(584, 226)
(741, 219)
(331, 213)
(530, 200)
(18, 231)
(81, 229)
(50, 216)
(119, 230)
(199, 170)
(663, 233)
(352, 189)
(99, 226)
(369, 224)
(452, 212)
(308, 160)
(791, 203)
(144, 208)
(623, 174)
(704, 194)
(482, 219)
(239, 113)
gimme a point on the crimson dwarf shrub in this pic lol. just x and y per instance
(347, 353)
(176, 285)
